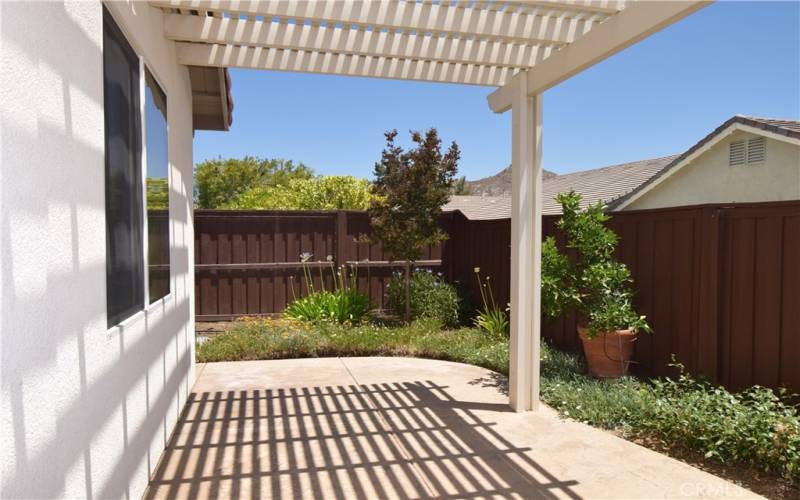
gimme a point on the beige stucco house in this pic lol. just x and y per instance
(97, 289)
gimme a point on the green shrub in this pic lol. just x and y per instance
(326, 192)
(219, 181)
(278, 339)
(605, 403)
(754, 427)
(431, 297)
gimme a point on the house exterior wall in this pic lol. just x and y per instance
(86, 410)
(709, 178)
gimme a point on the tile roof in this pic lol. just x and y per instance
(600, 184)
(476, 207)
(789, 128)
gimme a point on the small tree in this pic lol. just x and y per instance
(411, 187)
(592, 283)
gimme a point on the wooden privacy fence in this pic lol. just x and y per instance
(249, 262)
(720, 284)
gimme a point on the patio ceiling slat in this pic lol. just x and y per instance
(267, 34)
(201, 54)
(602, 7)
(549, 26)
(475, 42)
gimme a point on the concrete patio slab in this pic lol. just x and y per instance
(397, 428)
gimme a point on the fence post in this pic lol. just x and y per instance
(447, 247)
(407, 283)
(340, 231)
(708, 317)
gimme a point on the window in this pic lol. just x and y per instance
(124, 246)
(157, 182)
(747, 151)
(137, 180)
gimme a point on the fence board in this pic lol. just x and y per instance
(767, 301)
(720, 284)
(790, 305)
(740, 334)
(644, 279)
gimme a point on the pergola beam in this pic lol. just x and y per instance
(634, 23)
(229, 56)
(417, 17)
(282, 35)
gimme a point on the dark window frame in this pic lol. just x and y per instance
(126, 78)
(123, 171)
(149, 79)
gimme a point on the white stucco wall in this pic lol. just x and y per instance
(86, 411)
(709, 178)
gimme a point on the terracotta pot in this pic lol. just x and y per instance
(608, 354)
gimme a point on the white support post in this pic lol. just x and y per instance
(536, 280)
(526, 246)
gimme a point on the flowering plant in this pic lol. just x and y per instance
(492, 319)
(342, 303)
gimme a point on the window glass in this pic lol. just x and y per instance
(123, 190)
(157, 156)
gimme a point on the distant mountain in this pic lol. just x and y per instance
(498, 184)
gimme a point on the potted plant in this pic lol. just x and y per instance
(594, 285)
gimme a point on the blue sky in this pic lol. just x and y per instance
(656, 98)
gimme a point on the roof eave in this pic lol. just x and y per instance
(212, 102)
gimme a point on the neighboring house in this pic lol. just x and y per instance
(97, 291)
(746, 159)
